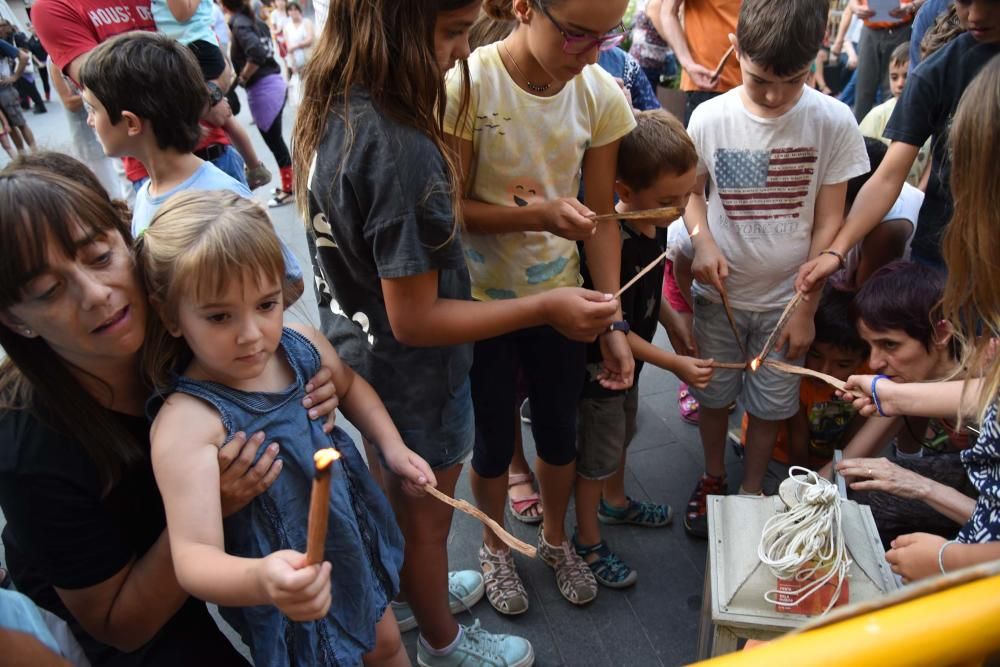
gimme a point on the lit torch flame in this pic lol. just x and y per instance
(754, 365)
(324, 458)
(694, 232)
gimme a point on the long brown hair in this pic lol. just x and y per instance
(197, 244)
(971, 245)
(386, 47)
(39, 207)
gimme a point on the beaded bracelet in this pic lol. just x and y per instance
(878, 404)
(840, 258)
(941, 554)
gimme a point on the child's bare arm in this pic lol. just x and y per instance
(708, 265)
(828, 216)
(565, 217)
(185, 440)
(603, 251)
(695, 372)
(363, 407)
(872, 203)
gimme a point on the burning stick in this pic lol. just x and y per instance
(319, 505)
(649, 267)
(497, 529)
(773, 338)
(798, 370)
(671, 212)
(732, 320)
(722, 63)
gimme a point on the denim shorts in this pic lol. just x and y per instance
(448, 442)
(605, 427)
(766, 393)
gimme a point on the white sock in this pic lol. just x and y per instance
(447, 650)
(744, 492)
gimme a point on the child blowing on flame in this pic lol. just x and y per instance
(778, 156)
(656, 168)
(213, 266)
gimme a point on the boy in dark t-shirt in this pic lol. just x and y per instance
(933, 90)
(656, 168)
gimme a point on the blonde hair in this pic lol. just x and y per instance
(196, 245)
(971, 246)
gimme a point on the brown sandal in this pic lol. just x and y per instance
(520, 507)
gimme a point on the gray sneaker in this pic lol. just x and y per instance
(504, 589)
(575, 580)
(480, 648)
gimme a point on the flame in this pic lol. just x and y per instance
(755, 364)
(694, 232)
(324, 458)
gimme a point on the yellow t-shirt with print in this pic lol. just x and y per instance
(528, 149)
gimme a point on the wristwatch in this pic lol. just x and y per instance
(619, 325)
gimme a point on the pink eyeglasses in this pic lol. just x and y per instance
(577, 44)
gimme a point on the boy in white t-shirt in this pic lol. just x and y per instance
(776, 156)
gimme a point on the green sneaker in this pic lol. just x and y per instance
(465, 588)
(479, 648)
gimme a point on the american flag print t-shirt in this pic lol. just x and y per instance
(764, 175)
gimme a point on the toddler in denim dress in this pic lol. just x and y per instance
(212, 266)
(362, 540)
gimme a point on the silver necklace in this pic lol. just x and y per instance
(531, 86)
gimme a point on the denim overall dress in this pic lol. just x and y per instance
(363, 542)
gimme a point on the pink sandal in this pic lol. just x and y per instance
(520, 507)
(687, 404)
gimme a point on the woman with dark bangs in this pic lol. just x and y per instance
(85, 535)
(898, 314)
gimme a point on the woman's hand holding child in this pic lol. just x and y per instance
(321, 398)
(240, 479)
(302, 592)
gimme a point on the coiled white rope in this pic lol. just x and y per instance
(806, 540)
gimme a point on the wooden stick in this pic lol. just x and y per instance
(497, 529)
(729, 365)
(649, 267)
(645, 214)
(319, 505)
(782, 321)
(722, 63)
(732, 320)
(799, 370)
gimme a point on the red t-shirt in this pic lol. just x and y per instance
(70, 28)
